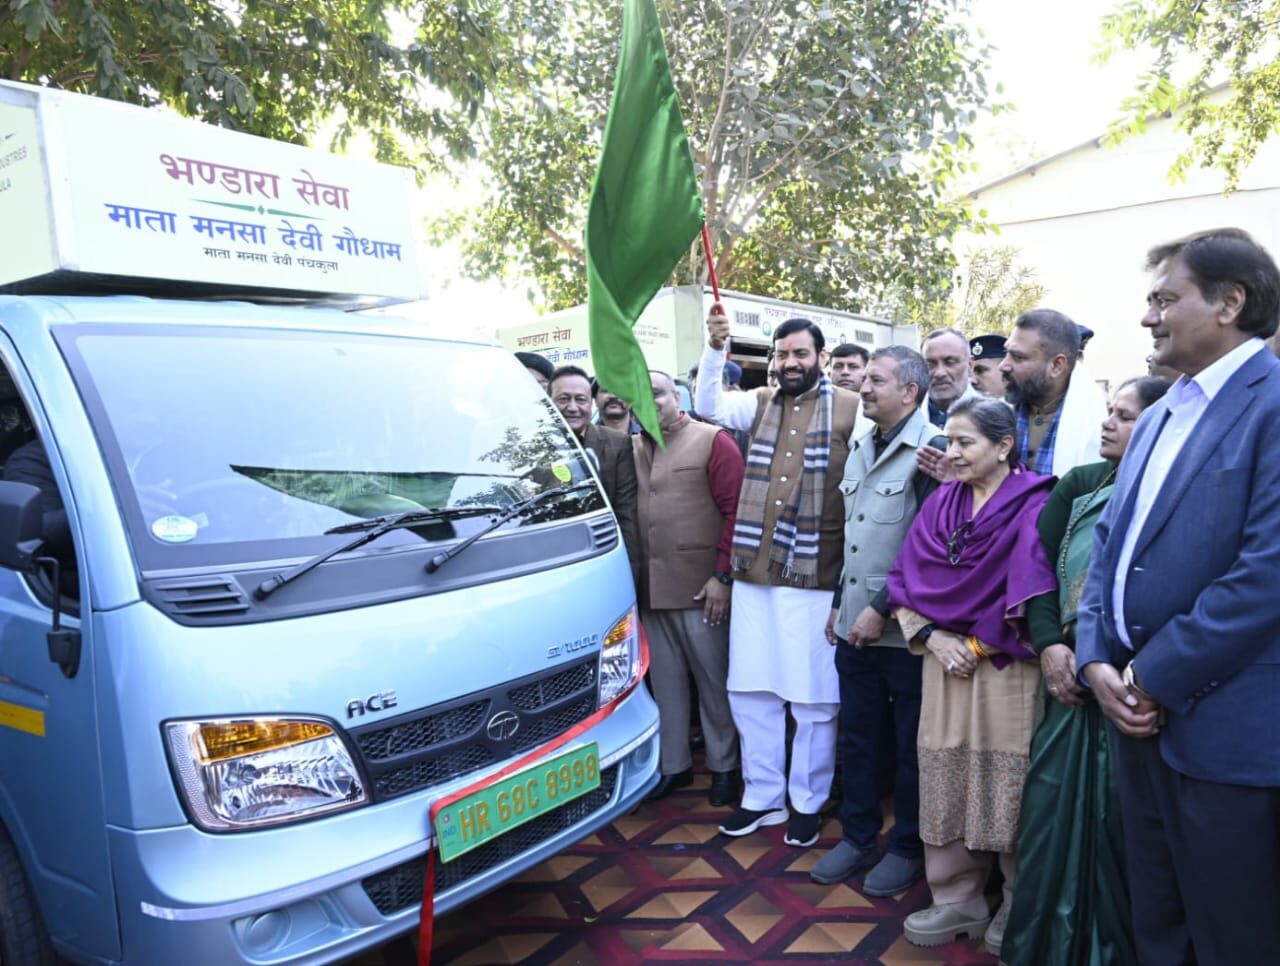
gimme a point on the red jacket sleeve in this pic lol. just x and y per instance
(725, 469)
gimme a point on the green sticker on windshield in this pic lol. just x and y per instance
(562, 472)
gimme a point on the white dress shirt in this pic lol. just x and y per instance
(1185, 403)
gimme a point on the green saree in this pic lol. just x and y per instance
(1071, 900)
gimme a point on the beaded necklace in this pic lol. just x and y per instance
(1071, 524)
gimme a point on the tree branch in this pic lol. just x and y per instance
(562, 243)
(709, 168)
(761, 197)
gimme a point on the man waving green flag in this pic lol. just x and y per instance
(645, 209)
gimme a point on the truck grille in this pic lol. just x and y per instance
(436, 744)
(401, 886)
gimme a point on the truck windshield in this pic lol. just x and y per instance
(234, 444)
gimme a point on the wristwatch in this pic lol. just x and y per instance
(923, 634)
(1130, 678)
(723, 576)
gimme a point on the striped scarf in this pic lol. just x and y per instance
(794, 554)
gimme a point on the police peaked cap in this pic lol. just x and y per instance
(987, 347)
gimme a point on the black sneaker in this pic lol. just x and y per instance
(744, 821)
(802, 830)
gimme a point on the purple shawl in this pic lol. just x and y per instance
(1000, 562)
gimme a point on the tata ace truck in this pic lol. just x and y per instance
(276, 579)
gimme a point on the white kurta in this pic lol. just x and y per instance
(778, 643)
(1080, 423)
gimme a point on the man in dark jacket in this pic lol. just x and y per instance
(571, 394)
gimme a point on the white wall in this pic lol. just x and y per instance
(1085, 220)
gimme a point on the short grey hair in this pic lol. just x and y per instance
(911, 366)
(938, 333)
(1057, 332)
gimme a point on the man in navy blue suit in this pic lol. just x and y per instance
(1179, 633)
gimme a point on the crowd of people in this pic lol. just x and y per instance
(1044, 622)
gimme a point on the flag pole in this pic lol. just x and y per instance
(711, 271)
(711, 262)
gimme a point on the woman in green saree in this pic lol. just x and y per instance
(1071, 907)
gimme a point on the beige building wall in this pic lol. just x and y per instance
(1084, 220)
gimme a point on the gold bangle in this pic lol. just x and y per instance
(975, 647)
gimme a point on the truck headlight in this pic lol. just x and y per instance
(620, 661)
(238, 773)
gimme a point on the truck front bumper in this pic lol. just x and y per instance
(328, 889)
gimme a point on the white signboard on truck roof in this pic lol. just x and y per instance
(101, 188)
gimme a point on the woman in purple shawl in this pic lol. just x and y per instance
(960, 586)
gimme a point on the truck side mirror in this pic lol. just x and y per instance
(21, 525)
(21, 537)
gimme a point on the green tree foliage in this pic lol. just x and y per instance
(993, 290)
(276, 69)
(1221, 40)
(826, 134)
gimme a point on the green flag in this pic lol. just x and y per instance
(645, 209)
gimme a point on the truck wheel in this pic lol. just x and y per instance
(22, 937)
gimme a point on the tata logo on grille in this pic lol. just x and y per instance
(503, 726)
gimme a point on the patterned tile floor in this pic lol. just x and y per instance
(662, 885)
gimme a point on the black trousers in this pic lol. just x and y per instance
(1203, 861)
(879, 699)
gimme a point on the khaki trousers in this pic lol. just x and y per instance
(957, 874)
(680, 644)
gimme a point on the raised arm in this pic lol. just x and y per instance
(732, 410)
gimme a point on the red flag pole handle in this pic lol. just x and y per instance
(711, 270)
(711, 262)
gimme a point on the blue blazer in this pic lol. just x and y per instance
(1202, 596)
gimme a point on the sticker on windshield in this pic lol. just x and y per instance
(175, 528)
(562, 472)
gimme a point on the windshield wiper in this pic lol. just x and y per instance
(370, 530)
(410, 518)
(510, 513)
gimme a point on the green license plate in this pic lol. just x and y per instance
(510, 802)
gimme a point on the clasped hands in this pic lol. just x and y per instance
(1058, 665)
(867, 627)
(953, 652)
(1134, 712)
